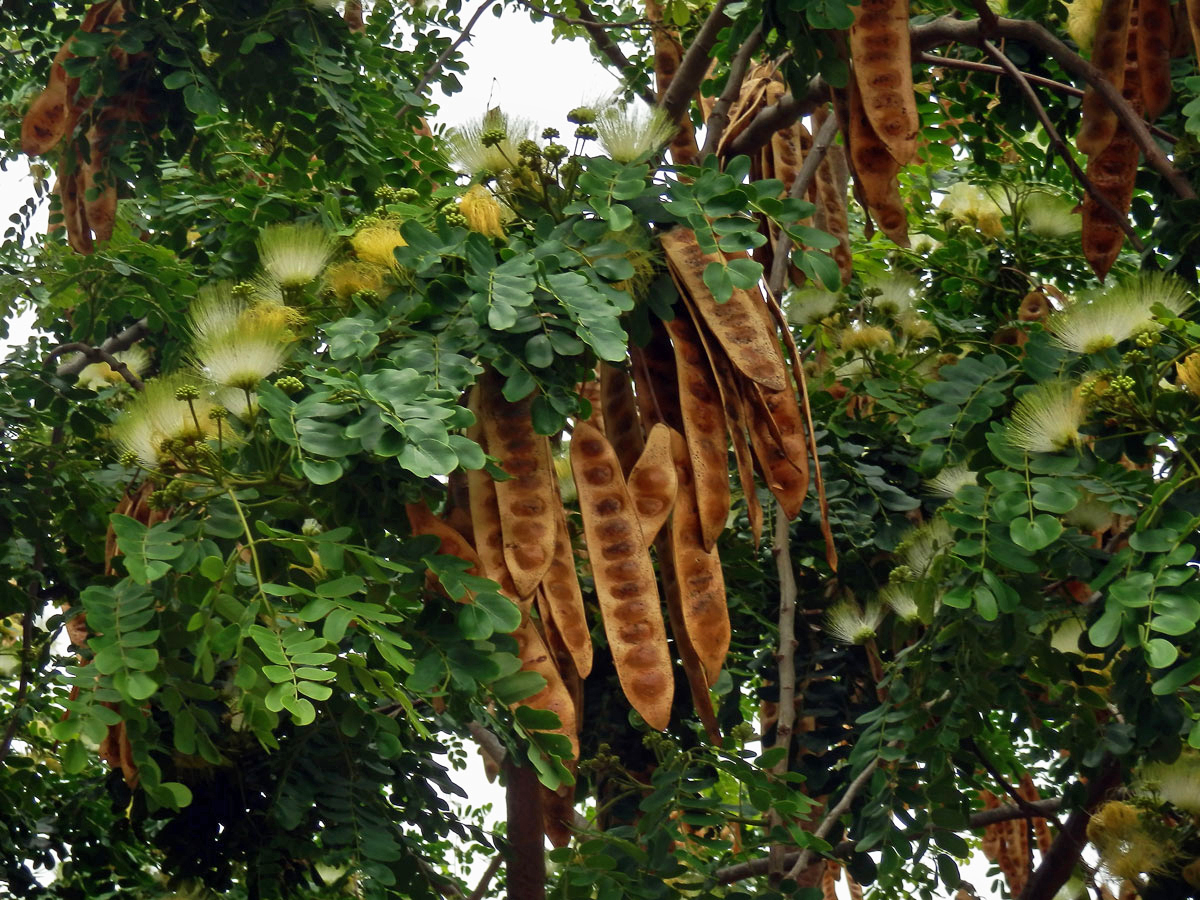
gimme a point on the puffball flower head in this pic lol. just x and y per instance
(972, 205)
(1126, 846)
(865, 338)
(900, 600)
(488, 145)
(1187, 371)
(1047, 418)
(1050, 216)
(348, 278)
(947, 482)
(244, 356)
(97, 376)
(294, 255)
(1177, 783)
(214, 311)
(629, 133)
(157, 414)
(894, 292)
(849, 623)
(1157, 289)
(376, 244)
(1082, 17)
(1109, 317)
(924, 545)
(482, 211)
(808, 306)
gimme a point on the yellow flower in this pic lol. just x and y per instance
(1126, 846)
(865, 338)
(348, 278)
(376, 244)
(482, 211)
(101, 375)
(1188, 372)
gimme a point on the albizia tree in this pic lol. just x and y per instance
(786, 479)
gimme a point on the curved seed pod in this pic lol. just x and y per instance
(736, 324)
(1112, 172)
(527, 500)
(79, 235)
(701, 584)
(704, 425)
(563, 599)
(485, 518)
(1154, 35)
(876, 169)
(751, 99)
(625, 585)
(558, 807)
(656, 378)
(101, 209)
(590, 391)
(458, 504)
(668, 54)
(619, 409)
(423, 521)
(1035, 307)
(653, 482)
(692, 668)
(831, 215)
(1193, 17)
(45, 122)
(1098, 123)
(882, 57)
(554, 696)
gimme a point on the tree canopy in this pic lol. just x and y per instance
(788, 474)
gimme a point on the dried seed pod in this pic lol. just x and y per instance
(45, 122)
(1193, 17)
(693, 670)
(832, 215)
(704, 610)
(750, 101)
(656, 378)
(1035, 307)
(458, 504)
(668, 54)
(622, 426)
(876, 170)
(564, 600)
(554, 696)
(853, 888)
(590, 391)
(829, 880)
(528, 499)
(777, 439)
(704, 425)
(1154, 35)
(882, 65)
(101, 209)
(1098, 123)
(79, 235)
(652, 483)
(485, 518)
(423, 521)
(736, 324)
(624, 575)
(558, 807)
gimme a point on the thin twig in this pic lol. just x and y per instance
(808, 170)
(486, 879)
(833, 816)
(1003, 782)
(1059, 145)
(785, 660)
(582, 23)
(90, 354)
(606, 45)
(843, 850)
(695, 63)
(123, 340)
(436, 67)
(718, 119)
(14, 723)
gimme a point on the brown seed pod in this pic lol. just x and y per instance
(590, 391)
(1035, 307)
(554, 696)
(528, 499)
(624, 575)
(1098, 123)
(831, 215)
(423, 521)
(882, 64)
(101, 209)
(876, 170)
(485, 519)
(736, 324)
(704, 610)
(46, 121)
(79, 235)
(693, 670)
(458, 504)
(778, 441)
(1154, 35)
(751, 99)
(829, 880)
(558, 807)
(1193, 17)
(564, 600)
(668, 54)
(619, 409)
(652, 483)
(656, 378)
(704, 425)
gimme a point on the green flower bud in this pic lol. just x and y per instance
(454, 217)
(407, 195)
(549, 134)
(581, 115)
(218, 413)
(289, 384)
(554, 152)
(187, 392)
(493, 137)
(529, 148)
(586, 132)
(901, 575)
(129, 459)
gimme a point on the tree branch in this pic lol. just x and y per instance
(10, 730)
(785, 659)
(121, 341)
(834, 814)
(981, 819)
(718, 119)
(948, 30)
(606, 45)
(91, 354)
(489, 873)
(588, 23)
(695, 63)
(1059, 145)
(436, 67)
(808, 170)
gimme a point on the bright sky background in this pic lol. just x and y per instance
(513, 65)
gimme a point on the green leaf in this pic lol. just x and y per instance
(1037, 534)
(1177, 678)
(512, 688)
(146, 550)
(1105, 629)
(212, 568)
(505, 615)
(985, 603)
(1160, 653)
(321, 471)
(341, 587)
(474, 622)
(717, 279)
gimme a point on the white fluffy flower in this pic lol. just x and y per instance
(241, 358)
(214, 311)
(1051, 216)
(900, 599)
(924, 545)
(810, 305)
(156, 415)
(947, 482)
(294, 255)
(1109, 317)
(630, 132)
(850, 623)
(1047, 418)
(1177, 783)
(894, 292)
(467, 150)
